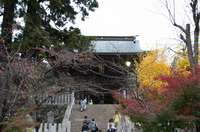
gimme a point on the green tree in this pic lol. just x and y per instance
(59, 13)
(45, 23)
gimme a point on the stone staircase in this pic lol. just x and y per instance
(101, 114)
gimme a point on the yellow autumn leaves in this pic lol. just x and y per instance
(152, 64)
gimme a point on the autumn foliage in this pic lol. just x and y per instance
(176, 106)
(152, 64)
(27, 79)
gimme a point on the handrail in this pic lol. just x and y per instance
(65, 122)
(70, 111)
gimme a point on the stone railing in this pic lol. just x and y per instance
(49, 127)
(128, 126)
(65, 126)
(60, 99)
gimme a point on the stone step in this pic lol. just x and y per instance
(101, 114)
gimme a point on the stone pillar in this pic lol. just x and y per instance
(50, 116)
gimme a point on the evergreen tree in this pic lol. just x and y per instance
(45, 23)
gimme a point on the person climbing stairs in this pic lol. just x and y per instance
(101, 114)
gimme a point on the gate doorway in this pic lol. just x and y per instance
(108, 99)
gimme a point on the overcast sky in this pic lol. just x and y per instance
(128, 18)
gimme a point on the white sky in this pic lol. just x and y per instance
(128, 18)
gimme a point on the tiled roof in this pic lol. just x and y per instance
(116, 44)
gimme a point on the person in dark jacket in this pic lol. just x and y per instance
(86, 120)
(85, 127)
(101, 98)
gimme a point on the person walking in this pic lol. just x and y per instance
(86, 120)
(82, 96)
(88, 99)
(110, 129)
(85, 127)
(90, 102)
(101, 98)
(117, 118)
(83, 104)
(94, 126)
(111, 122)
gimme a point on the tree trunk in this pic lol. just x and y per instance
(5, 49)
(8, 17)
(2, 89)
(196, 40)
(189, 46)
